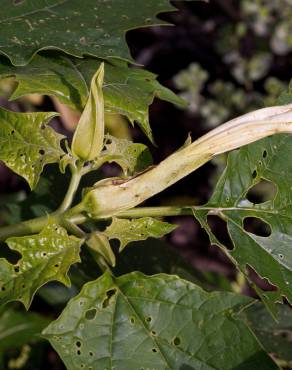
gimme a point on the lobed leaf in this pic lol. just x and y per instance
(127, 91)
(158, 322)
(131, 157)
(27, 144)
(45, 257)
(94, 27)
(270, 255)
(127, 231)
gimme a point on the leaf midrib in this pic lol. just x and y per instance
(132, 308)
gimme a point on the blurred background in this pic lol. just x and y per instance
(225, 57)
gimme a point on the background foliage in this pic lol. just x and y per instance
(225, 58)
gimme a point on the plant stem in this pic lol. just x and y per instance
(69, 218)
(156, 212)
(73, 229)
(73, 186)
(32, 226)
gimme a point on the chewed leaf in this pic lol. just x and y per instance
(131, 157)
(27, 144)
(127, 91)
(127, 231)
(158, 322)
(91, 27)
(275, 335)
(261, 232)
(45, 257)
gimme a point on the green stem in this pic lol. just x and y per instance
(73, 186)
(74, 217)
(26, 227)
(73, 229)
(156, 212)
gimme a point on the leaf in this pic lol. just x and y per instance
(89, 135)
(286, 96)
(158, 322)
(27, 144)
(127, 231)
(78, 28)
(131, 157)
(19, 327)
(270, 256)
(127, 91)
(45, 257)
(155, 256)
(275, 336)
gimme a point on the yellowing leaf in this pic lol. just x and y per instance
(127, 231)
(131, 157)
(45, 257)
(27, 144)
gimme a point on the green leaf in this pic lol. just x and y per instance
(27, 144)
(45, 257)
(158, 322)
(127, 231)
(89, 135)
(155, 256)
(131, 157)
(78, 28)
(270, 256)
(127, 91)
(275, 336)
(19, 327)
(286, 96)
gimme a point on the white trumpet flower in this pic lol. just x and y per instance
(109, 197)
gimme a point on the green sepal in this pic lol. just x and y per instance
(89, 135)
(99, 243)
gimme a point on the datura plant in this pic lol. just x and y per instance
(133, 321)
